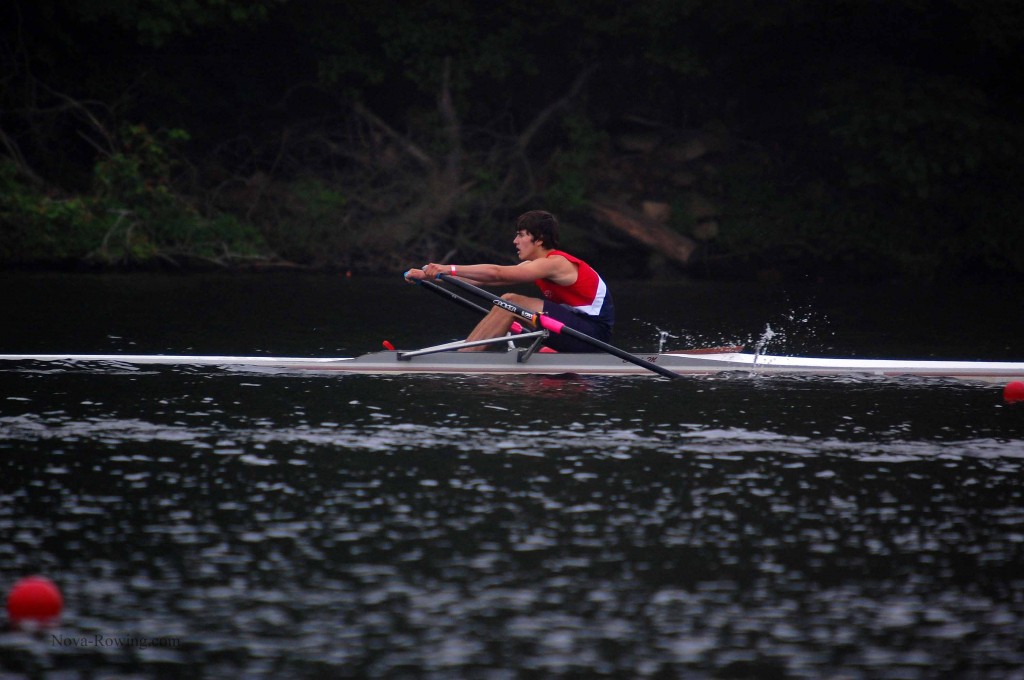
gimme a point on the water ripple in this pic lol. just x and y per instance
(529, 440)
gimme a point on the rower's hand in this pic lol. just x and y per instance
(432, 270)
(429, 271)
(414, 275)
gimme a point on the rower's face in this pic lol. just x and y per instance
(525, 244)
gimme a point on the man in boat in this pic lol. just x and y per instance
(574, 293)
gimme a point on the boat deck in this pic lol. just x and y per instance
(518, 361)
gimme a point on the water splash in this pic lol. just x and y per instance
(662, 337)
(667, 341)
(796, 330)
(766, 336)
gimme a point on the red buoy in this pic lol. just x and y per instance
(35, 599)
(1014, 392)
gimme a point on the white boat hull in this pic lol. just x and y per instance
(508, 362)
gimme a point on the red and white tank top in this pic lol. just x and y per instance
(586, 296)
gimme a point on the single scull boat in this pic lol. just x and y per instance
(442, 359)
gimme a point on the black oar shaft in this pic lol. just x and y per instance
(539, 320)
(444, 292)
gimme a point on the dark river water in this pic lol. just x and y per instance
(211, 523)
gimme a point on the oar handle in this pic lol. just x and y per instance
(544, 321)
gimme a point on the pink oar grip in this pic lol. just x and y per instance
(516, 327)
(551, 324)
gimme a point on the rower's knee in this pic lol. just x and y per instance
(524, 302)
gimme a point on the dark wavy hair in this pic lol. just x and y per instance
(540, 224)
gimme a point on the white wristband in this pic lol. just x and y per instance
(453, 272)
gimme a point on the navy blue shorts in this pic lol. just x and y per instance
(579, 322)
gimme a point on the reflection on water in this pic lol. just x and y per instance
(281, 526)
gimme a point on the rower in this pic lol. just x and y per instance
(574, 294)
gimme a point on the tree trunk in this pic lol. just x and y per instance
(664, 240)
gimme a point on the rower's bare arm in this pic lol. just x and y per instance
(431, 271)
(554, 268)
(494, 274)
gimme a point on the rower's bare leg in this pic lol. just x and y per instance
(498, 322)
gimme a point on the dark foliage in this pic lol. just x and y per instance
(856, 136)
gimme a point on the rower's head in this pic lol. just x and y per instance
(541, 225)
